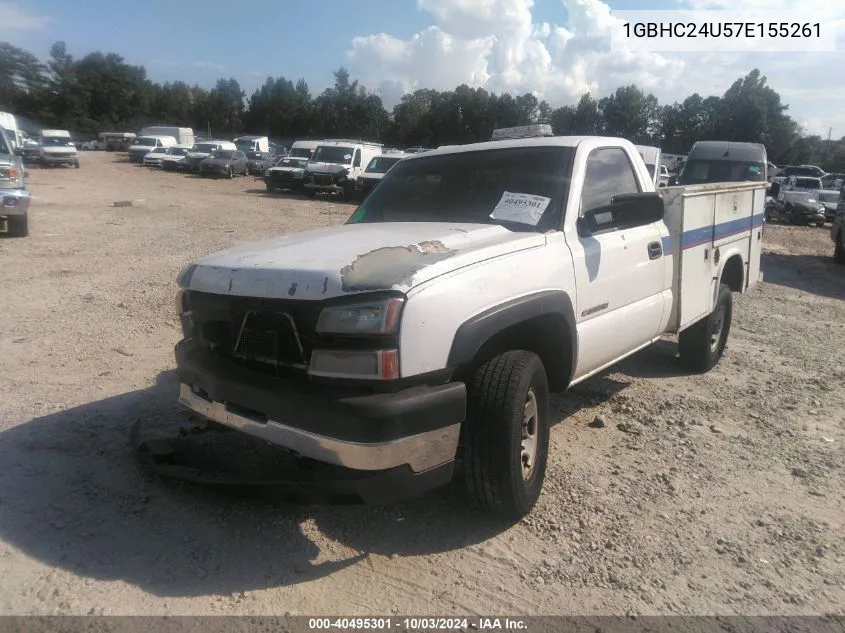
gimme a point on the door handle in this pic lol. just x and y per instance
(655, 250)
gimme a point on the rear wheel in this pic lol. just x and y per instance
(506, 435)
(839, 250)
(702, 344)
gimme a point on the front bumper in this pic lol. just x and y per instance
(152, 163)
(310, 186)
(49, 159)
(415, 430)
(209, 170)
(13, 202)
(284, 183)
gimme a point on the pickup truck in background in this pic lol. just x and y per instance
(420, 340)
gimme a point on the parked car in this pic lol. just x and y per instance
(376, 170)
(14, 198)
(225, 162)
(56, 147)
(155, 158)
(175, 157)
(421, 339)
(143, 145)
(794, 206)
(202, 150)
(287, 173)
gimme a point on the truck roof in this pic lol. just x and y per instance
(249, 137)
(538, 141)
(58, 133)
(718, 150)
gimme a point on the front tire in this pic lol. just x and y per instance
(18, 226)
(506, 435)
(702, 344)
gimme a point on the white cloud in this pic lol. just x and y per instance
(13, 18)
(496, 44)
(209, 66)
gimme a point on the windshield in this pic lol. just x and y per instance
(808, 183)
(60, 141)
(380, 164)
(222, 153)
(205, 148)
(177, 151)
(333, 154)
(4, 149)
(521, 188)
(800, 171)
(302, 152)
(147, 142)
(245, 146)
(291, 162)
(699, 172)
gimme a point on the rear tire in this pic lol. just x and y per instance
(702, 344)
(839, 250)
(506, 435)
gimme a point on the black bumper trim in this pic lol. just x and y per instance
(320, 409)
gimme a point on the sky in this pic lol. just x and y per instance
(557, 49)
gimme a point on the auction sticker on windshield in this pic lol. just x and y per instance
(525, 208)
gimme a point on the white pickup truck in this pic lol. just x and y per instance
(422, 338)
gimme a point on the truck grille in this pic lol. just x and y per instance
(273, 336)
(323, 179)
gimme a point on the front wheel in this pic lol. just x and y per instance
(702, 344)
(506, 435)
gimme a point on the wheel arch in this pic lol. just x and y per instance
(732, 272)
(543, 323)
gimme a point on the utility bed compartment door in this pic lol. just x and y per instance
(756, 245)
(697, 285)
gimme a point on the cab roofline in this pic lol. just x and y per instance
(538, 141)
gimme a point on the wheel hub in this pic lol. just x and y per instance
(530, 424)
(716, 331)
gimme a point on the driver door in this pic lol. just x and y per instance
(620, 272)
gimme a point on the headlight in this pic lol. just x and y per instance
(183, 310)
(374, 317)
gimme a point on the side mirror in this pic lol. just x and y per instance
(624, 211)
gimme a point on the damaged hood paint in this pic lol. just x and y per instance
(352, 258)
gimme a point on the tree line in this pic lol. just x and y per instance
(100, 92)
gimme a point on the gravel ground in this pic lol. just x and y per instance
(666, 494)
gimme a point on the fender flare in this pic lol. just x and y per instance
(473, 333)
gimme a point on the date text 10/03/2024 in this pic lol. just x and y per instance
(418, 624)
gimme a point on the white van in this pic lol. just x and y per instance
(303, 149)
(724, 161)
(183, 135)
(56, 148)
(335, 166)
(251, 144)
(143, 145)
(200, 151)
(651, 157)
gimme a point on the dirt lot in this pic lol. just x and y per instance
(700, 495)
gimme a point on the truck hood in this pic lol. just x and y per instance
(352, 258)
(287, 170)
